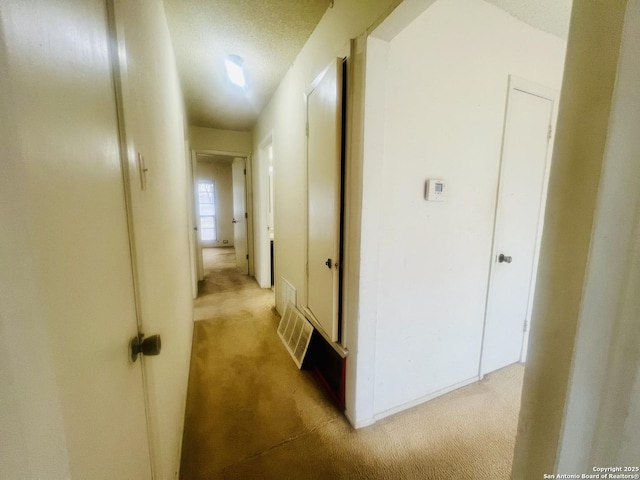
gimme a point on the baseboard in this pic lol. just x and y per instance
(426, 398)
(358, 424)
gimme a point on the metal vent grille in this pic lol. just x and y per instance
(287, 292)
(295, 332)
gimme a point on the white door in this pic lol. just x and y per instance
(196, 210)
(195, 251)
(271, 216)
(239, 172)
(324, 152)
(66, 115)
(518, 222)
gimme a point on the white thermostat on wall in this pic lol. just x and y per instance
(435, 190)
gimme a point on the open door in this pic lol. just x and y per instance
(324, 160)
(239, 174)
(199, 264)
(192, 223)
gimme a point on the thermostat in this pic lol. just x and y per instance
(435, 190)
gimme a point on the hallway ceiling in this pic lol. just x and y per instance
(267, 34)
(551, 16)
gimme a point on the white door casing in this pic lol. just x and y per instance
(518, 222)
(324, 150)
(238, 172)
(271, 214)
(263, 211)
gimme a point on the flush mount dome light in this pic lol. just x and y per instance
(233, 63)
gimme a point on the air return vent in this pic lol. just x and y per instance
(287, 292)
(295, 332)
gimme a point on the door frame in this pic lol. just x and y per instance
(248, 199)
(262, 254)
(516, 83)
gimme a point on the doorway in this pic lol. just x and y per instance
(265, 270)
(518, 222)
(222, 216)
(270, 214)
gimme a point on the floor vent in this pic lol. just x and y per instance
(295, 332)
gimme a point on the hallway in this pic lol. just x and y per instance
(101, 123)
(251, 414)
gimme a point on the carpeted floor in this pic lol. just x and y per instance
(251, 414)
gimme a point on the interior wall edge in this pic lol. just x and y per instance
(590, 71)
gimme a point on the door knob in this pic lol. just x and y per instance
(146, 346)
(502, 258)
(234, 221)
(328, 263)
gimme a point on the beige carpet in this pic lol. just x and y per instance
(251, 414)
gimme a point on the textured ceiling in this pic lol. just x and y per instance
(267, 34)
(551, 16)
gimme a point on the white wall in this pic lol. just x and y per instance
(220, 173)
(154, 116)
(213, 139)
(446, 86)
(284, 116)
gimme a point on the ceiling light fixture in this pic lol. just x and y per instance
(233, 63)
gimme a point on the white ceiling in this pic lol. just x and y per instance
(551, 16)
(267, 34)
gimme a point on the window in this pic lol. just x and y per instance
(207, 210)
